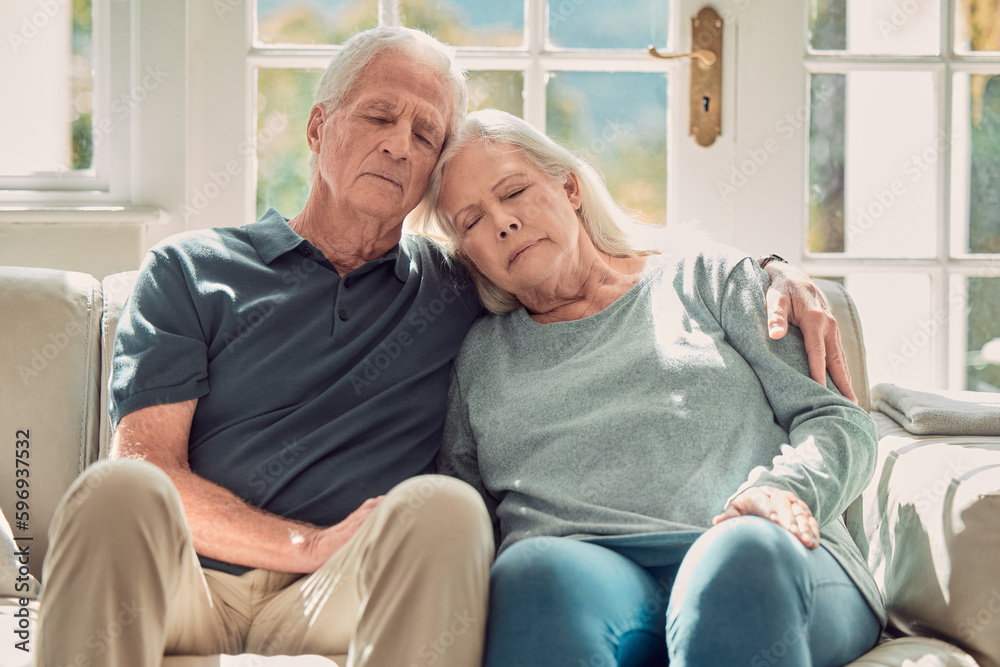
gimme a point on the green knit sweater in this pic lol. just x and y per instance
(649, 415)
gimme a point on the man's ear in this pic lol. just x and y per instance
(314, 127)
(572, 187)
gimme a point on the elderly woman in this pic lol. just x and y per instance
(662, 476)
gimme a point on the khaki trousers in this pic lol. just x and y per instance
(122, 585)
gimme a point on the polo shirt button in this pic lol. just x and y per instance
(347, 283)
(342, 315)
(306, 251)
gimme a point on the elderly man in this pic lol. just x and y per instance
(278, 394)
(270, 385)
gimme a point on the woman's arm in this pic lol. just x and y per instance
(830, 453)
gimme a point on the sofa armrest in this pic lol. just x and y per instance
(850, 335)
(929, 527)
(49, 391)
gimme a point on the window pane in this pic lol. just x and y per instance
(618, 121)
(889, 176)
(826, 163)
(977, 26)
(497, 90)
(983, 368)
(605, 25)
(984, 162)
(284, 99)
(313, 21)
(895, 309)
(50, 75)
(828, 25)
(898, 27)
(468, 22)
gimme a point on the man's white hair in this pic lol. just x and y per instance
(344, 72)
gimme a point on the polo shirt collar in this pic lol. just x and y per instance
(401, 253)
(272, 238)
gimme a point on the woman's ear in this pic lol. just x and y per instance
(572, 187)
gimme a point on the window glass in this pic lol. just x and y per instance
(977, 26)
(826, 163)
(49, 72)
(828, 25)
(284, 100)
(983, 365)
(574, 24)
(899, 341)
(313, 21)
(493, 89)
(878, 27)
(984, 164)
(618, 120)
(874, 159)
(468, 22)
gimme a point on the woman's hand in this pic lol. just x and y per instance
(780, 506)
(793, 298)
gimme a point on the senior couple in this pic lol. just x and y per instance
(663, 480)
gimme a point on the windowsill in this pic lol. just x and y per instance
(89, 215)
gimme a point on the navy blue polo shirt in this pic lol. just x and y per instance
(316, 391)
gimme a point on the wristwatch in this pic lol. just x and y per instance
(772, 258)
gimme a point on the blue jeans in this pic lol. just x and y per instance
(746, 592)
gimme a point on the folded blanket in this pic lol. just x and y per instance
(939, 413)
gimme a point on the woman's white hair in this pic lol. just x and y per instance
(343, 74)
(602, 218)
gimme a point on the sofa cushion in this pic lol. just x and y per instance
(929, 527)
(49, 391)
(915, 652)
(248, 660)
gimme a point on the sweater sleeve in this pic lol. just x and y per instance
(458, 456)
(832, 443)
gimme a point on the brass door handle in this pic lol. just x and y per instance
(706, 76)
(704, 56)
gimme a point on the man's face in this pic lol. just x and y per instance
(378, 149)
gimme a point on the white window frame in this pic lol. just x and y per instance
(223, 116)
(774, 221)
(764, 80)
(130, 107)
(97, 180)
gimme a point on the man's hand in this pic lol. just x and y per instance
(794, 298)
(325, 542)
(224, 526)
(782, 507)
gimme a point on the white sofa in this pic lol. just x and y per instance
(929, 522)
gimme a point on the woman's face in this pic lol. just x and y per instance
(515, 223)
